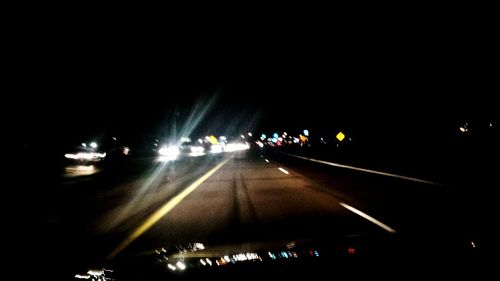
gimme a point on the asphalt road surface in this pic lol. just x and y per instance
(92, 214)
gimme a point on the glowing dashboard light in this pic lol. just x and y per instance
(84, 144)
(260, 144)
(199, 246)
(226, 258)
(203, 262)
(209, 261)
(252, 256)
(180, 265)
(244, 257)
(240, 257)
(95, 272)
(250, 134)
(171, 267)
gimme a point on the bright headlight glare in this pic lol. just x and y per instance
(85, 156)
(236, 147)
(216, 148)
(170, 152)
(197, 149)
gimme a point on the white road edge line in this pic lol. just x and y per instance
(364, 170)
(283, 170)
(162, 211)
(367, 217)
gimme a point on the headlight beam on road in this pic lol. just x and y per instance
(165, 209)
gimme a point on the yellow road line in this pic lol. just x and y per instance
(165, 209)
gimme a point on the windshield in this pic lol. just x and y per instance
(124, 155)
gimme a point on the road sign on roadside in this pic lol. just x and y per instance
(340, 136)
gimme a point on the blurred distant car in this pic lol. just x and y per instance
(185, 147)
(85, 156)
(192, 148)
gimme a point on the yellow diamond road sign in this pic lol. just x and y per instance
(340, 136)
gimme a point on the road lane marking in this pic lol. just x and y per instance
(283, 170)
(165, 209)
(364, 170)
(368, 217)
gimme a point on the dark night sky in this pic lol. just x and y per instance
(135, 83)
